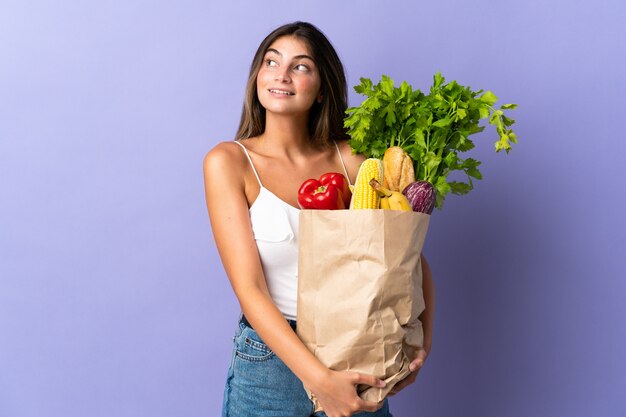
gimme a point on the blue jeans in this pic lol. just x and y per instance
(259, 384)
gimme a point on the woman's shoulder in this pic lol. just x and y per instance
(225, 158)
(224, 152)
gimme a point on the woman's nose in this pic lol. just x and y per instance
(282, 75)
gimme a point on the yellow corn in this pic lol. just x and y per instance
(364, 196)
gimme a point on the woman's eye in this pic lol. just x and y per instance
(270, 63)
(302, 67)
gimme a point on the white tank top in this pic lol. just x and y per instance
(275, 226)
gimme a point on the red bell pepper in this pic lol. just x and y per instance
(339, 181)
(330, 192)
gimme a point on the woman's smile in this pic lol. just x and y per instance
(280, 92)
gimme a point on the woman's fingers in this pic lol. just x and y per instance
(339, 397)
(364, 379)
(403, 384)
(414, 367)
(358, 378)
(418, 362)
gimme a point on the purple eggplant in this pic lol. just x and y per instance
(421, 195)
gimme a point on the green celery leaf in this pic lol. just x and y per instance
(474, 173)
(373, 103)
(390, 118)
(405, 89)
(419, 138)
(489, 98)
(421, 122)
(442, 122)
(471, 163)
(438, 79)
(495, 117)
(507, 121)
(503, 143)
(387, 85)
(442, 185)
(465, 144)
(438, 141)
(431, 161)
(365, 86)
(443, 188)
(460, 188)
(451, 160)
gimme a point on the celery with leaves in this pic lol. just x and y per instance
(434, 128)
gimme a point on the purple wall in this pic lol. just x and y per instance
(113, 301)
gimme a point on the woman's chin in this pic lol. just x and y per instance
(285, 111)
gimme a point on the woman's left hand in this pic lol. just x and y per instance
(414, 367)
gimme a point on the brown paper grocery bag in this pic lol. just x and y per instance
(360, 291)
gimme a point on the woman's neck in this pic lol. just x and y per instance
(287, 135)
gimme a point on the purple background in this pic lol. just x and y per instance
(113, 301)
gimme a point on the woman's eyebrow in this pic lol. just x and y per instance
(295, 57)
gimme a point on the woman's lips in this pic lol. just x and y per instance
(280, 92)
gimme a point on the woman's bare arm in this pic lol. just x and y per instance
(428, 315)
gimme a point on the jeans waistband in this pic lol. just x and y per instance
(246, 323)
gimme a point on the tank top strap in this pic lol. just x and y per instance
(251, 164)
(342, 164)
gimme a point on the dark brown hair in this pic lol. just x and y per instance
(325, 118)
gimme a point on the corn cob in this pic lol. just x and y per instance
(364, 196)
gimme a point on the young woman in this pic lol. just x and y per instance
(291, 130)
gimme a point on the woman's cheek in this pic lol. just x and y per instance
(311, 86)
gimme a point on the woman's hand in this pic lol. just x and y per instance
(337, 395)
(414, 367)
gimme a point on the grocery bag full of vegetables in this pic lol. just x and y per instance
(359, 270)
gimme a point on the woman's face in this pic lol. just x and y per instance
(288, 81)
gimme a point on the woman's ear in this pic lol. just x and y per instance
(319, 98)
